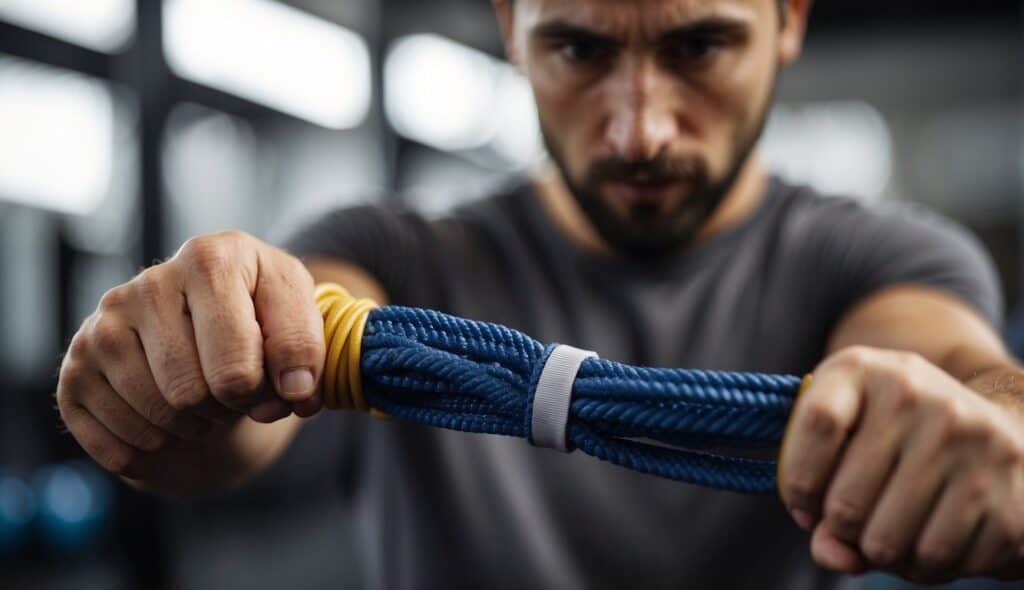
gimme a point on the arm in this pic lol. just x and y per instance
(251, 446)
(193, 376)
(942, 329)
(906, 452)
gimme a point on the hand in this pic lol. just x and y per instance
(895, 465)
(225, 328)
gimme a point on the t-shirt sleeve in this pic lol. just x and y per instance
(861, 249)
(391, 245)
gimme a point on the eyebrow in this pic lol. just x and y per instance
(560, 29)
(717, 25)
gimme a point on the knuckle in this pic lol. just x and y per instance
(116, 458)
(909, 360)
(234, 236)
(71, 376)
(905, 397)
(298, 344)
(236, 380)
(207, 256)
(844, 516)
(935, 555)
(799, 491)
(185, 391)
(976, 487)
(114, 298)
(67, 408)
(157, 411)
(79, 345)
(821, 420)
(853, 357)
(906, 385)
(879, 550)
(107, 336)
(149, 286)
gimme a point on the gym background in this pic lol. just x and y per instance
(127, 126)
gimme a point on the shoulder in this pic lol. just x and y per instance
(866, 246)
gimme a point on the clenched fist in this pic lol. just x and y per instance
(895, 465)
(159, 379)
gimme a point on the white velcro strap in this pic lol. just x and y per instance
(554, 392)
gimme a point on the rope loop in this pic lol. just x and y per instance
(435, 369)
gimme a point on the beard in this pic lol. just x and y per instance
(647, 231)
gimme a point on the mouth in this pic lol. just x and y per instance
(643, 192)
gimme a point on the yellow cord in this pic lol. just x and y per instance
(804, 384)
(344, 322)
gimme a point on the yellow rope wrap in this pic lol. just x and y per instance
(344, 322)
(804, 384)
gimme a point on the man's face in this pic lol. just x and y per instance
(649, 107)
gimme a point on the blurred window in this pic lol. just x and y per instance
(837, 147)
(56, 137)
(103, 25)
(271, 54)
(452, 97)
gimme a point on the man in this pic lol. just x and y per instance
(656, 237)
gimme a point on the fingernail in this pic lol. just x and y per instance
(296, 381)
(803, 519)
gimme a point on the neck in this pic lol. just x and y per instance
(739, 203)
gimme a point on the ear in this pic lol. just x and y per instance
(794, 26)
(505, 12)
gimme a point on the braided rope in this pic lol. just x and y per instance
(431, 368)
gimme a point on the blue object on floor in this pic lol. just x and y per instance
(17, 509)
(74, 505)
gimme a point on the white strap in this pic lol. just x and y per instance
(554, 392)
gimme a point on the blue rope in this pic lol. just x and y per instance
(440, 370)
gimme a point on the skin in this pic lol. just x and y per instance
(905, 454)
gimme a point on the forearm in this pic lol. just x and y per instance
(1003, 385)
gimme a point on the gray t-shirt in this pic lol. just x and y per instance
(444, 509)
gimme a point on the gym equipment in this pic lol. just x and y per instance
(17, 509)
(74, 501)
(436, 369)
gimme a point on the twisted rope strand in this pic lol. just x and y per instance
(435, 369)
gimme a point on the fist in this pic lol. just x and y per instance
(895, 465)
(226, 328)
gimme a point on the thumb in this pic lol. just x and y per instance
(293, 329)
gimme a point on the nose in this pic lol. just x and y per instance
(641, 121)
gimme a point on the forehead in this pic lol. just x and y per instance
(630, 18)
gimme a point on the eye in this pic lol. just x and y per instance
(693, 49)
(584, 50)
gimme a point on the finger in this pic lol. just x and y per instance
(270, 410)
(907, 501)
(992, 549)
(119, 418)
(865, 467)
(128, 374)
(954, 522)
(821, 421)
(218, 284)
(833, 553)
(165, 330)
(292, 326)
(109, 451)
